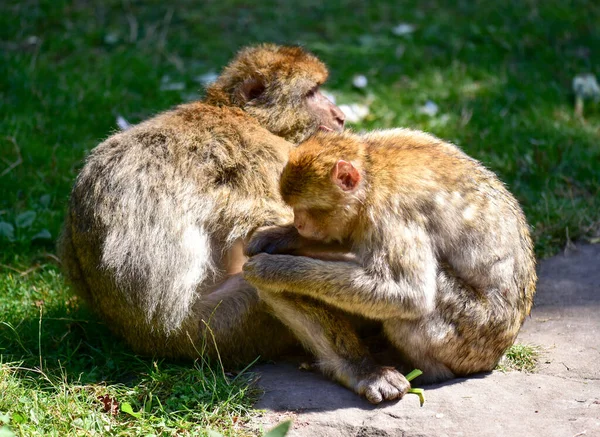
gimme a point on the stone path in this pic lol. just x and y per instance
(561, 399)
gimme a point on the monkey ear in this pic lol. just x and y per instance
(345, 175)
(250, 89)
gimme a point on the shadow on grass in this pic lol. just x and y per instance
(68, 355)
(74, 344)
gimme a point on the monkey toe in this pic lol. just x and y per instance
(373, 395)
(384, 384)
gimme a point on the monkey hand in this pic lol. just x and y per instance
(258, 270)
(278, 272)
(273, 239)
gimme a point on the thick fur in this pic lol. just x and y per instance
(444, 256)
(159, 211)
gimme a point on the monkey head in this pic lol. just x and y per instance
(323, 182)
(279, 86)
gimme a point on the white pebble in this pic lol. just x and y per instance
(403, 29)
(360, 81)
(429, 108)
(122, 123)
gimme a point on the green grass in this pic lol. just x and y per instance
(56, 361)
(520, 357)
(500, 73)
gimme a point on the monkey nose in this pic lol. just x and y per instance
(338, 116)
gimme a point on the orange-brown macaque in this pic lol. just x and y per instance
(443, 257)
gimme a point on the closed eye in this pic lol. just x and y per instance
(312, 92)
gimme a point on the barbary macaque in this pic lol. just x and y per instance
(443, 257)
(158, 217)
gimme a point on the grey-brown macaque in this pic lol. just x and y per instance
(158, 216)
(444, 259)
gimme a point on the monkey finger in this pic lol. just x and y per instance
(253, 265)
(254, 247)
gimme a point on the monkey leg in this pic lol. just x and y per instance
(233, 325)
(466, 333)
(227, 324)
(329, 335)
(415, 341)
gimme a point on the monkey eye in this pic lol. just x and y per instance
(312, 92)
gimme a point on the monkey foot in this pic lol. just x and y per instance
(383, 384)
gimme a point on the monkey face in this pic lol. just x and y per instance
(298, 114)
(308, 225)
(330, 117)
(279, 87)
(320, 224)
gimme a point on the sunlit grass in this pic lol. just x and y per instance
(520, 357)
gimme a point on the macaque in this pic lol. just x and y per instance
(159, 215)
(443, 257)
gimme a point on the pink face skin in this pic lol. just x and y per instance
(331, 117)
(307, 226)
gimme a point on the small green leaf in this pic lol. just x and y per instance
(7, 231)
(126, 408)
(18, 418)
(280, 430)
(412, 375)
(44, 234)
(148, 404)
(419, 392)
(25, 219)
(214, 434)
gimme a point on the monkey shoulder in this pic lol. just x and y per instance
(198, 147)
(432, 188)
(207, 126)
(189, 139)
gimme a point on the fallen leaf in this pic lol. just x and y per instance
(109, 404)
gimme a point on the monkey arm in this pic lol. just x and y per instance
(286, 239)
(378, 294)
